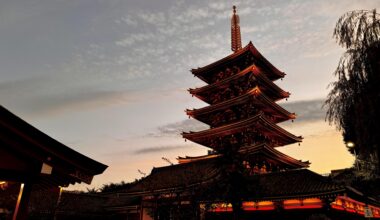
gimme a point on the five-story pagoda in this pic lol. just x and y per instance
(242, 111)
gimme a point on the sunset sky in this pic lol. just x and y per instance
(108, 78)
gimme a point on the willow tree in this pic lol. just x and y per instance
(353, 104)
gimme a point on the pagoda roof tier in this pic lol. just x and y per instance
(274, 156)
(272, 72)
(189, 159)
(268, 87)
(258, 123)
(254, 96)
(268, 153)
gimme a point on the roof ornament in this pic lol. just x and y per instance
(235, 31)
(167, 160)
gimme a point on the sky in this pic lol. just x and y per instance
(108, 78)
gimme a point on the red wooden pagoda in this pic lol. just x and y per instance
(243, 117)
(243, 111)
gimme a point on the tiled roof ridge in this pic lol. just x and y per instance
(155, 169)
(249, 47)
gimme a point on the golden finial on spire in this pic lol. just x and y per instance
(235, 31)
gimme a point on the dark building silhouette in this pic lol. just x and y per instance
(31, 162)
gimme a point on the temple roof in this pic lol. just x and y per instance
(178, 176)
(260, 60)
(254, 96)
(24, 149)
(73, 205)
(188, 159)
(268, 152)
(297, 183)
(259, 123)
(264, 83)
(201, 177)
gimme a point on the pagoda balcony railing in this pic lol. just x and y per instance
(240, 108)
(239, 84)
(257, 124)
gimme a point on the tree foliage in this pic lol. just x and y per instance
(114, 187)
(353, 104)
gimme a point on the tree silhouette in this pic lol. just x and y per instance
(353, 104)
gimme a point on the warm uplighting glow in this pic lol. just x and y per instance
(3, 184)
(310, 203)
(375, 211)
(350, 144)
(222, 207)
(265, 205)
(247, 206)
(15, 213)
(256, 91)
(292, 202)
(260, 206)
(338, 202)
(347, 204)
(341, 203)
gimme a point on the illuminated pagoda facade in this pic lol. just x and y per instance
(242, 111)
(243, 117)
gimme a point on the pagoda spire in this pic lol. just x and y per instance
(235, 31)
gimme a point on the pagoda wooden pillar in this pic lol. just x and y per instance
(156, 214)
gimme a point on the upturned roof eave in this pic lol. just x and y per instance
(276, 155)
(258, 72)
(47, 144)
(199, 70)
(221, 82)
(255, 92)
(256, 52)
(251, 69)
(196, 136)
(311, 185)
(252, 150)
(249, 47)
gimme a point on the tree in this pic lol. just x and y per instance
(353, 104)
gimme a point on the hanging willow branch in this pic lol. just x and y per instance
(358, 31)
(353, 103)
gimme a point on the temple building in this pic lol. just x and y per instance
(34, 166)
(244, 175)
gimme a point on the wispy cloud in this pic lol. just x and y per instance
(78, 101)
(134, 38)
(50, 95)
(160, 149)
(175, 129)
(307, 111)
(127, 19)
(158, 18)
